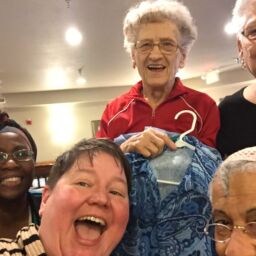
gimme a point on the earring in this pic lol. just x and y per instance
(242, 63)
(134, 64)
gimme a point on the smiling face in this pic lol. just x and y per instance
(158, 69)
(15, 176)
(247, 47)
(237, 208)
(87, 211)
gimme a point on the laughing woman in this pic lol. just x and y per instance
(158, 35)
(85, 205)
(17, 161)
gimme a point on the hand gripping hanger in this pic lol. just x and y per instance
(180, 142)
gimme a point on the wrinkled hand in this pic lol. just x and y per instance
(149, 143)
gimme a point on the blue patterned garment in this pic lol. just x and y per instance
(170, 223)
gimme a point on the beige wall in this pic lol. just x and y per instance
(40, 116)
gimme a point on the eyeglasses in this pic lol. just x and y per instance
(250, 34)
(22, 155)
(165, 46)
(221, 233)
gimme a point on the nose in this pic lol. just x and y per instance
(156, 51)
(240, 244)
(100, 198)
(9, 164)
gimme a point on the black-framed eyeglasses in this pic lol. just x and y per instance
(165, 46)
(221, 233)
(250, 34)
(21, 155)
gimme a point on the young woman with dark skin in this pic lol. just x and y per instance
(17, 162)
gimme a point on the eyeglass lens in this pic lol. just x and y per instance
(19, 155)
(164, 45)
(220, 233)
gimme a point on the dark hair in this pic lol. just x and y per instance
(90, 147)
(6, 121)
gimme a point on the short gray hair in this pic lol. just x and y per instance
(241, 161)
(159, 11)
(239, 13)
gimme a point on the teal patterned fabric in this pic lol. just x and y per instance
(172, 225)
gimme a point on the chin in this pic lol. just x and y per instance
(157, 84)
(85, 253)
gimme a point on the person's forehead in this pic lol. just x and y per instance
(218, 190)
(98, 162)
(11, 138)
(240, 196)
(250, 14)
(161, 29)
(242, 183)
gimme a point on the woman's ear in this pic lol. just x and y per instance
(45, 196)
(239, 47)
(133, 59)
(182, 60)
(240, 53)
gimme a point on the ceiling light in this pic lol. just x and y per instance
(81, 80)
(73, 36)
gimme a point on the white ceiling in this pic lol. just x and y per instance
(32, 41)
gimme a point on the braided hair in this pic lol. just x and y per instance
(5, 122)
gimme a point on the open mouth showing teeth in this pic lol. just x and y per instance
(155, 67)
(90, 227)
(12, 181)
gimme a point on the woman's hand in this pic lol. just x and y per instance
(149, 143)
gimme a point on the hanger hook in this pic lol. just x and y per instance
(193, 122)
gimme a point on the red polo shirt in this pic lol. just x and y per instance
(131, 113)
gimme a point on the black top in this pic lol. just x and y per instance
(238, 124)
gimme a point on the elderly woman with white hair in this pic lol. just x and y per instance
(169, 206)
(238, 111)
(233, 195)
(159, 35)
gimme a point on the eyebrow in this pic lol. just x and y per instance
(114, 179)
(218, 211)
(160, 39)
(251, 211)
(120, 180)
(250, 25)
(16, 147)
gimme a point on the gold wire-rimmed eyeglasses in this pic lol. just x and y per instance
(221, 233)
(165, 46)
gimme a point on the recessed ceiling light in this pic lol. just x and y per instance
(81, 80)
(73, 36)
